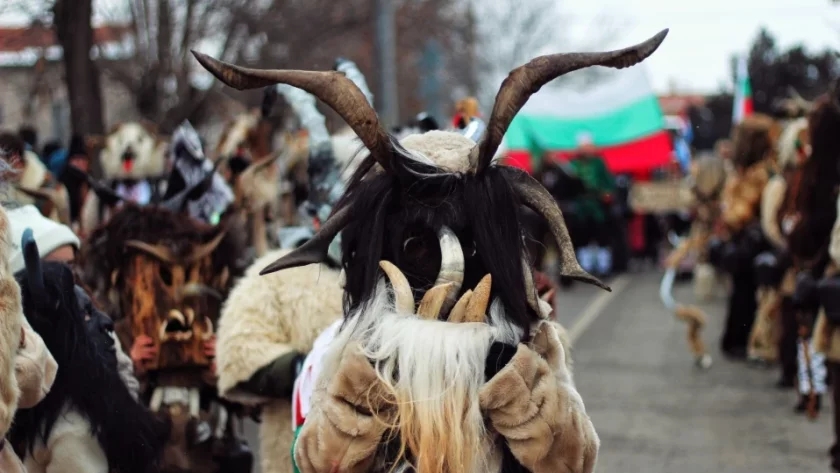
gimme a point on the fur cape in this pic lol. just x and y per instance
(72, 426)
(264, 318)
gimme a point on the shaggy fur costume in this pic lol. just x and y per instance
(793, 147)
(133, 153)
(73, 429)
(264, 318)
(353, 405)
(754, 147)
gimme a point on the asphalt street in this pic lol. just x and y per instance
(654, 412)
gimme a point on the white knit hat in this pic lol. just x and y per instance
(49, 234)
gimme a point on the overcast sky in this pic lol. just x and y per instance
(704, 33)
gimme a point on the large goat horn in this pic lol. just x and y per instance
(540, 201)
(34, 271)
(158, 251)
(451, 265)
(315, 250)
(526, 80)
(333, 88)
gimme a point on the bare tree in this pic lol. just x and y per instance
(72, 24)
(509, 33)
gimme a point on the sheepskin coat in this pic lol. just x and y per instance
(264, 318)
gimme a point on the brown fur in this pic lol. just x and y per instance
(754, 140)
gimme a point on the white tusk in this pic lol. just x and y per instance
(157, 399)
(208, 329)
(162, 331)
(179, 316)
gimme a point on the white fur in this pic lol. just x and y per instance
(150, 153)
(446, 150)
(430, 362)
(70, 448)
(787, 142)
(266, 317)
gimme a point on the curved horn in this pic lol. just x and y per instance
(333, 88)
(34, 271)
(403, 297)
(451, 265)
(207, 248)
(314, 250)
(526, 80)
(534, 195)
(158, 251)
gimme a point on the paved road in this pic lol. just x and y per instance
(655, 413)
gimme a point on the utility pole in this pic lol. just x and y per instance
(386, 55)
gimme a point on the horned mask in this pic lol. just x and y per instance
(440, 187)
(164, 272)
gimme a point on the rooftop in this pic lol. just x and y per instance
(23, 46)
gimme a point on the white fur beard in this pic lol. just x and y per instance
(436, 366)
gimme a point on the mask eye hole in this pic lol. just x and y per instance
(165, 275)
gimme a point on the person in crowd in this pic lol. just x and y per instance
(594, 253)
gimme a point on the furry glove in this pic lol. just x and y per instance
(533, 403)
(348, 420)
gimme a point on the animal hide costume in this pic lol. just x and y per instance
(770, 266)
(754, 146)
(708, 176)
(406, 387)
(133, 165)
(807, 222)
(35, 185)
(72, 429)
(165, 276)
(27, 369)
(267, 324)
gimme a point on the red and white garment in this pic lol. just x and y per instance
(305, 382)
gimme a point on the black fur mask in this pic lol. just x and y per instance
(87, 380)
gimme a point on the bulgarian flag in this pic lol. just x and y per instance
(621, 116)
(742, 106)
